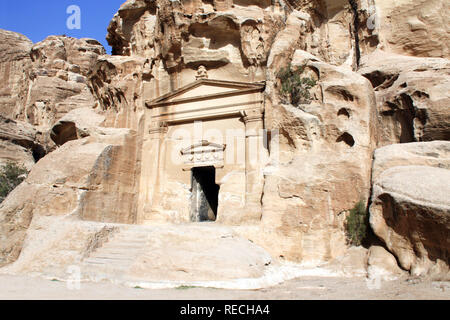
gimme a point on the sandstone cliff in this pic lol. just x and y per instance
(381, 78)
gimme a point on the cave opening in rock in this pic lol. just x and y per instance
(205, 194)
(63, 132)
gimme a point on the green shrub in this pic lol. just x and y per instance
(183, 287)
(357, 224)
(11, 175)
(294, 87)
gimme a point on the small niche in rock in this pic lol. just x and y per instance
(259, 3)
(64, 131)
(344, 112)
(341, 93)
(381, 80)
(38, 152)
(347, 138)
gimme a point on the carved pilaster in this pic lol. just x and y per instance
(254, 121)
(255, 159)
(158, 130)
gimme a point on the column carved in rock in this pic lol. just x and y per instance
(256, 156)
(157, 131)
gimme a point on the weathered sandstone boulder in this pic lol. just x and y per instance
(381, 264)
(20, 143)
(333, 30)
(40, 83)
(58, 79)
(76, 124)
(412, 97)
(61, 53)
(177, 37)
(286, 40)
(410, 210)
(352, 263)
(117, 84)
(84, 178)
(232, 32)
(431, 154)
(55, 243)
(190, 32)
(321, 168)
(15, 61)
(409, 27)
(218, 254)
(375, 263)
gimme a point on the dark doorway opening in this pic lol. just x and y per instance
(205, 194)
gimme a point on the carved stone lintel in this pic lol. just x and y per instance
(158, 127)
(213, 147)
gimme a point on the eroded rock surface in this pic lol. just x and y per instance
(58, 76)
(15, 61)
(410, 209)
(73, 180)
(381, 264)
(320, 170)
(410, 27)
(412, 97)
(20, 143)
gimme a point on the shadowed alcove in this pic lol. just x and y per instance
(205, 194)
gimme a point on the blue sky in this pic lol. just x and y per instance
(38, 19)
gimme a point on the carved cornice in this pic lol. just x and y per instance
(241, 88)
(158, 127)
(251, 115)
(218, 108)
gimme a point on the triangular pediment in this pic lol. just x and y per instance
(204, 89)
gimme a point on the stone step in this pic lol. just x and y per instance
(109, 265)
(106, 273)
(135, 232)
(119, 251)
(113, 258)
(127, 240)
(99, 276)
(131, 237)
(104, 268)
(117, 255)
(122, 247)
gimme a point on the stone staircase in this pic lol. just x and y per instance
(116, 257)
(160, 256)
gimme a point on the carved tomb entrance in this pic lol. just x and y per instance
(201, 136)
(205, 194)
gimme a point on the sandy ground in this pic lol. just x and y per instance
(305, 288)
